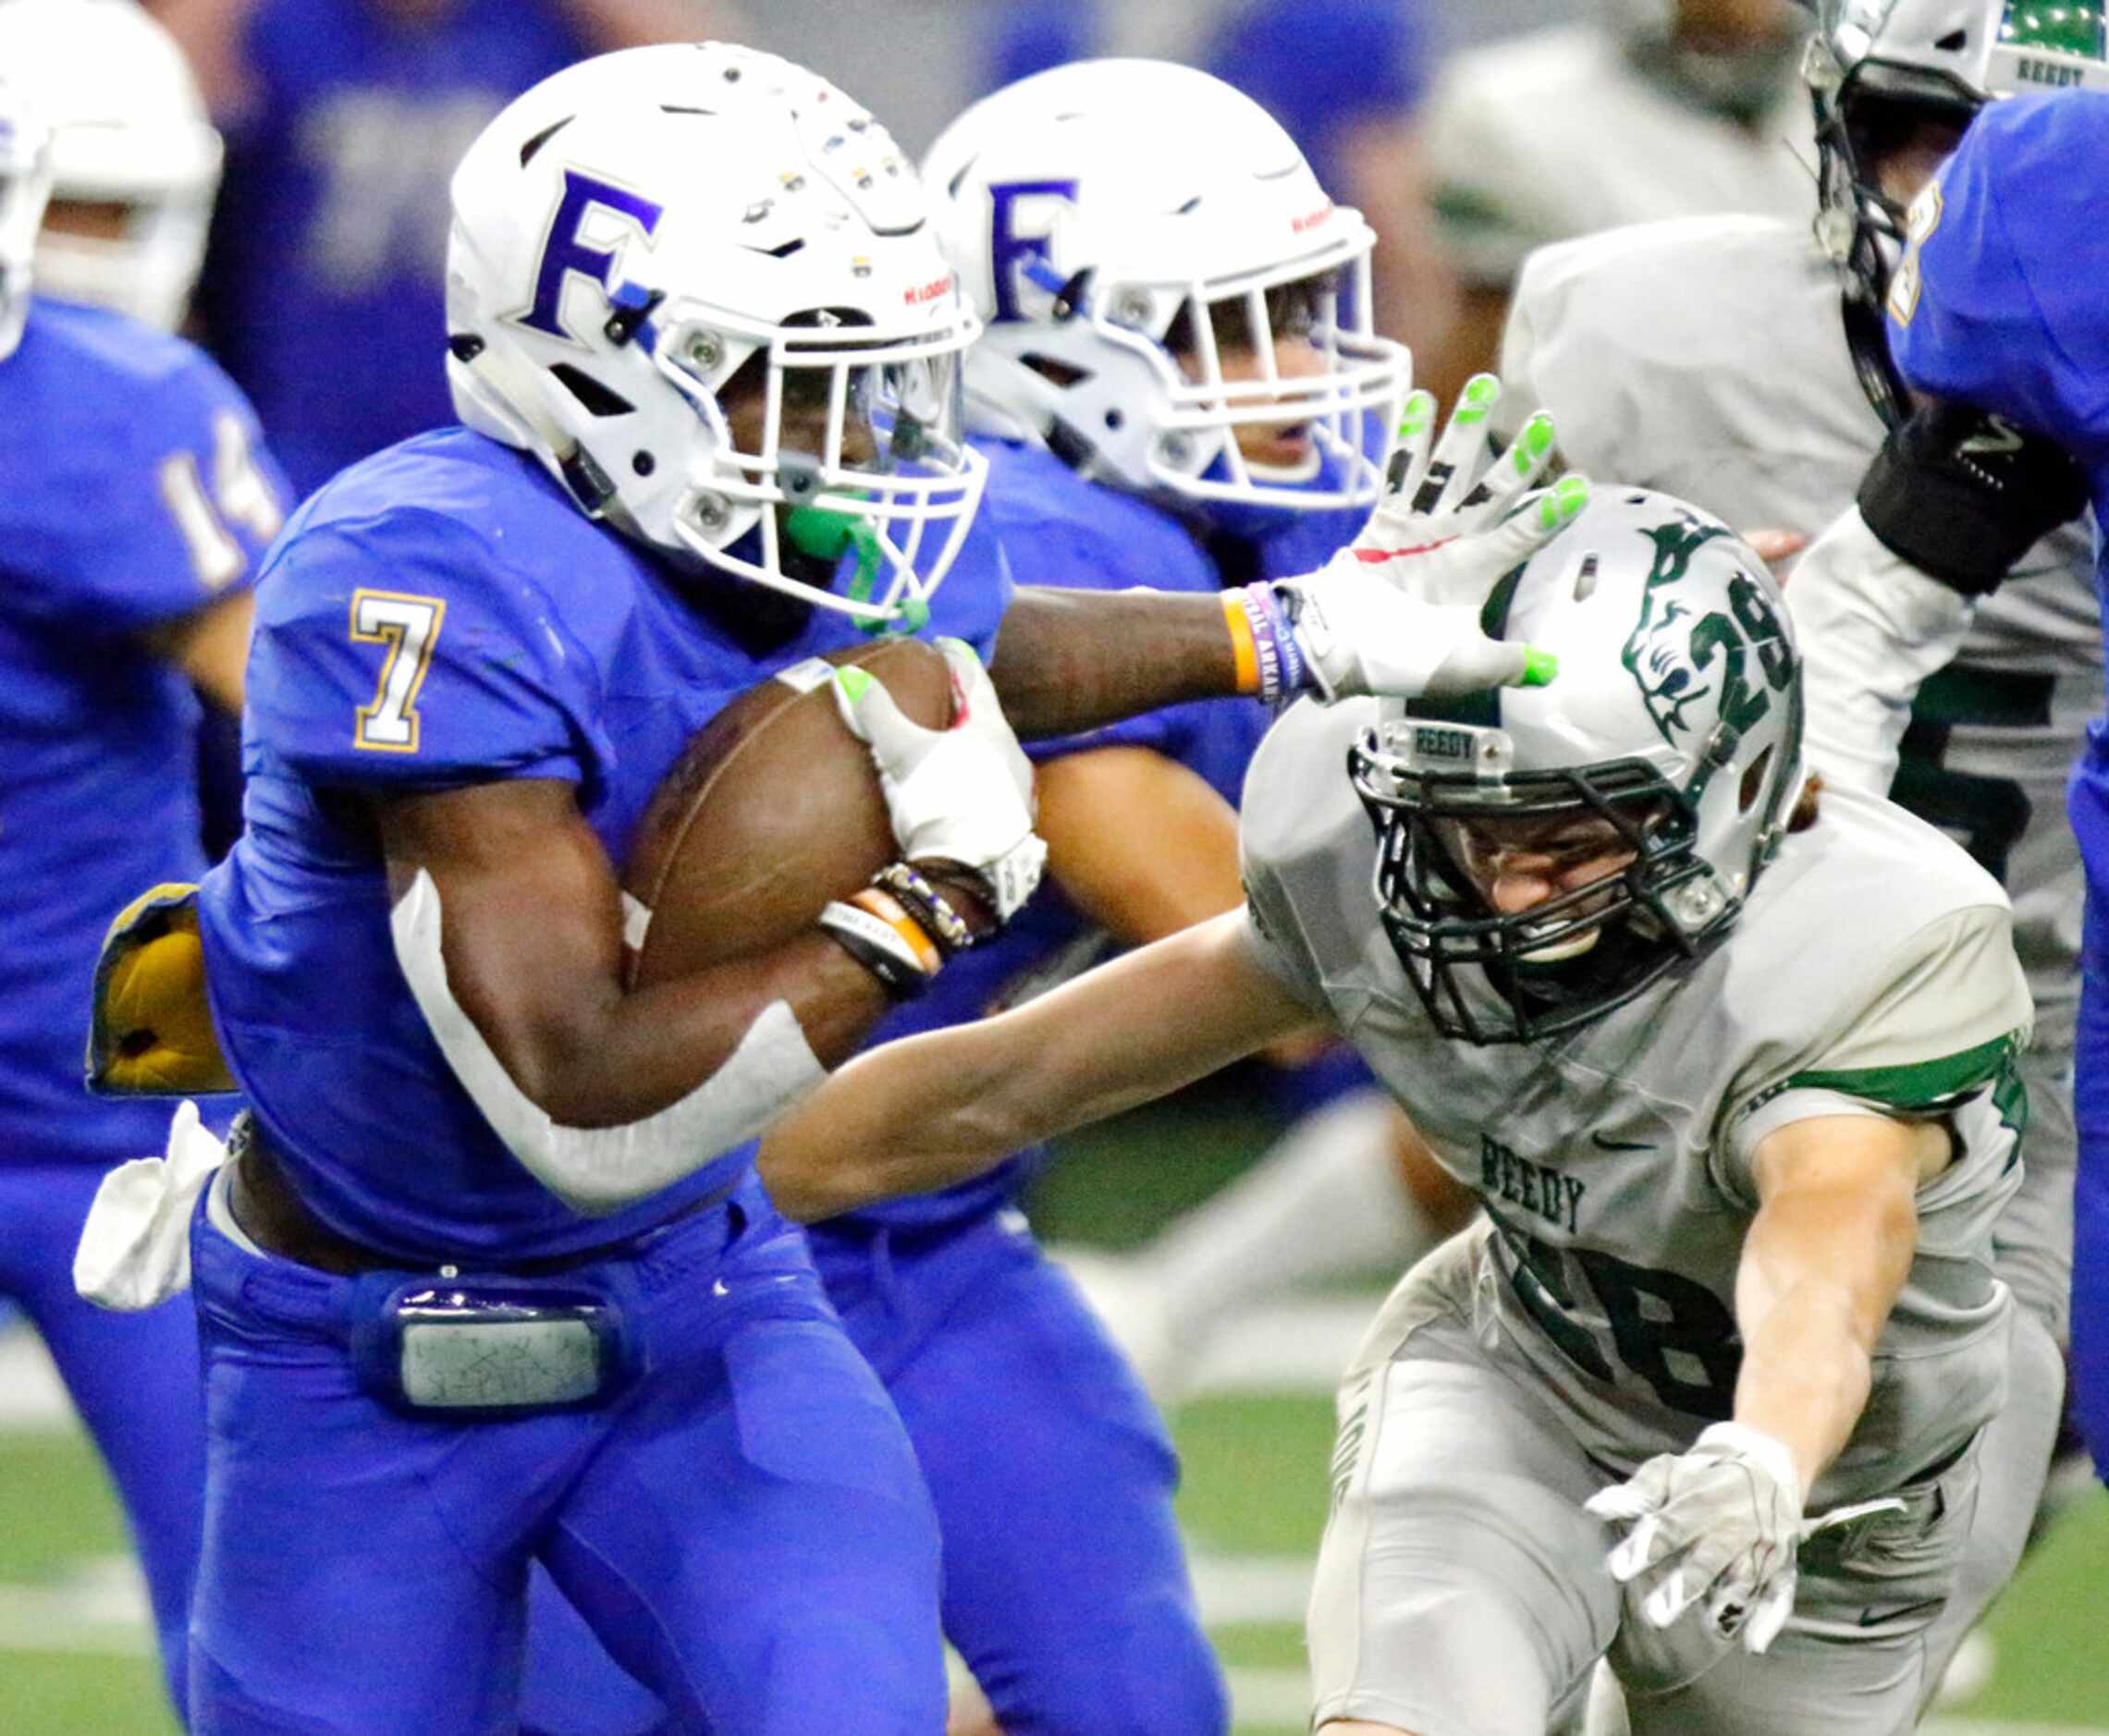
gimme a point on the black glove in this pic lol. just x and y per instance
(1962, 496)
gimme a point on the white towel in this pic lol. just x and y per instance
(135, 1247)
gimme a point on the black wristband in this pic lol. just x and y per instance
(900, 979)
(1963, 495)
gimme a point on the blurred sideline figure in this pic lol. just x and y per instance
(1707, 356)
(322, 293)
(1657, 108)
(1349, 79)
(140, 500)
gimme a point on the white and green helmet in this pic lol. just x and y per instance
(1677, 718)
(1873, 64)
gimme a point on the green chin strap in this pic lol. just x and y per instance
(823, 535)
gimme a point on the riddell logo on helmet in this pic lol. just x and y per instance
(1298, 225)
(927, 292)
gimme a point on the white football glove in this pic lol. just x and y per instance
(1449, 525)
(1722, 1522)
(962, 794)
(1357, 637)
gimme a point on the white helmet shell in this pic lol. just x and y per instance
(1087, 209)
(25, 184)
(631, 232)
(128, 129)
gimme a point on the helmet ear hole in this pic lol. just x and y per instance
(1754, 781)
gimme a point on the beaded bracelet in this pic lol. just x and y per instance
(927, 906)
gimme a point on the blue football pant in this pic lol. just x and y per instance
(744, 1530)
(133, 1379)
(1066, 1589)
(2091, 1190)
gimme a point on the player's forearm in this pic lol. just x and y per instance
(1819, 1276)
(937, 1109)
(1069, 661)
(643, 1051)
(1872, 628)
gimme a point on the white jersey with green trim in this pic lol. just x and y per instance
(1558, 134)
(1706, 357)
(1871, 971)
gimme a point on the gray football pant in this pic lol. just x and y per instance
(1461, 1588)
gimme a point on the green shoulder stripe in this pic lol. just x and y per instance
(1917, 1084)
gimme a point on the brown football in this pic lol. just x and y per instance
(772, 809)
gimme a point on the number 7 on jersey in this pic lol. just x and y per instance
(409, 626)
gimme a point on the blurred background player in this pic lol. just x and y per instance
(1147, 249)
(140, 501)
(1707, 356)
(343, 120)
(1644, 109)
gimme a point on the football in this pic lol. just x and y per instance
(772, 809)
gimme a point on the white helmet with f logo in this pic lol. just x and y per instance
(701, 285)
(1123, 227)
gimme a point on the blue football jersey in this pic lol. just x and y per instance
(1056, 529)
(439, 614)
(137, 494)
(1996, 302)
(324, 290)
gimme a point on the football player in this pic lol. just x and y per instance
(1169, 394)
(1986, 309)
(705, 349)
(1741, 1131)
(1639, 109)
(344, 119)
(1707, 356)
(135, 160)
(1112, 464)
(140, 501)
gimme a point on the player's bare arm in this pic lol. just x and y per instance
(922, 1113)
(1142, 845)
(532, 937)
(1395, 613)
(212, 648)
(1826, 1255)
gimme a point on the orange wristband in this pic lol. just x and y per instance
(886, 908)
(1244, 647)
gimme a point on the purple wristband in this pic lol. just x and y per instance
(1282, 671)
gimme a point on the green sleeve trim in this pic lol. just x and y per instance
(1917, 1084)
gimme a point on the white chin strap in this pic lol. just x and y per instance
(598, 1170)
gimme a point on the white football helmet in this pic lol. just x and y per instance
(25, 184)
(1676, 717)
(1096, 212)
(647, 241)
(128, 129)
(1873, 66)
